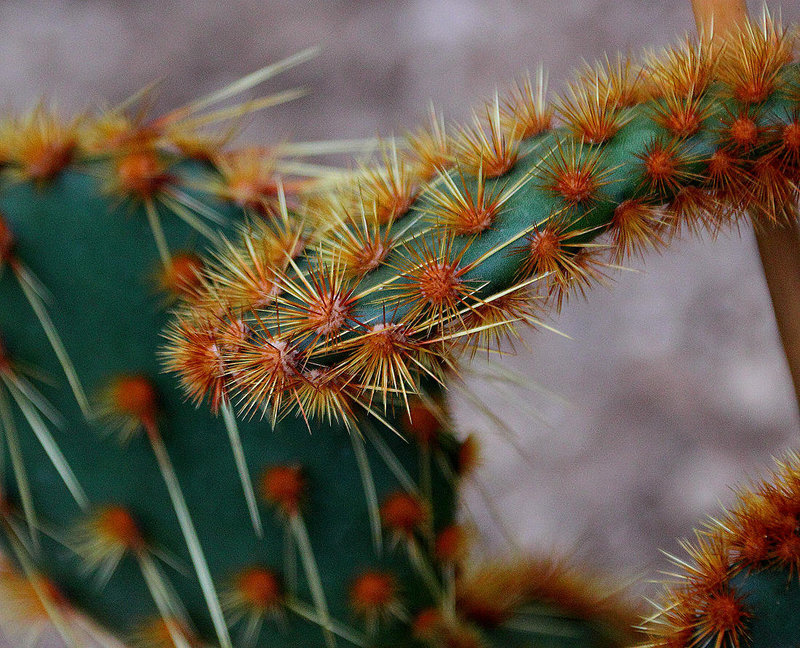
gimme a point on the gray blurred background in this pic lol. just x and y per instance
(673, 386)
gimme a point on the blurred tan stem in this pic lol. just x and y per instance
(779, 247)
(718, 16)
(778, 244)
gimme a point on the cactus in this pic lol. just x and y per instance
(318, 505)
(738, 585)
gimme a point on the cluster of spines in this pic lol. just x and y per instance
(137, 161)
(437, 245)
(759, 534)
(109, 534)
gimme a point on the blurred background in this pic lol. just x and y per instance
(672, 386)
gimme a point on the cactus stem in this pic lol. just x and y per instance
(713, 597)
(778, 244)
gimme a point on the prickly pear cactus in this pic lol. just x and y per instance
(169, 524)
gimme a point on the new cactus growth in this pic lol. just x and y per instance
(311, 501)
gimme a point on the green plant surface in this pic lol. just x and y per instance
(110, 318)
